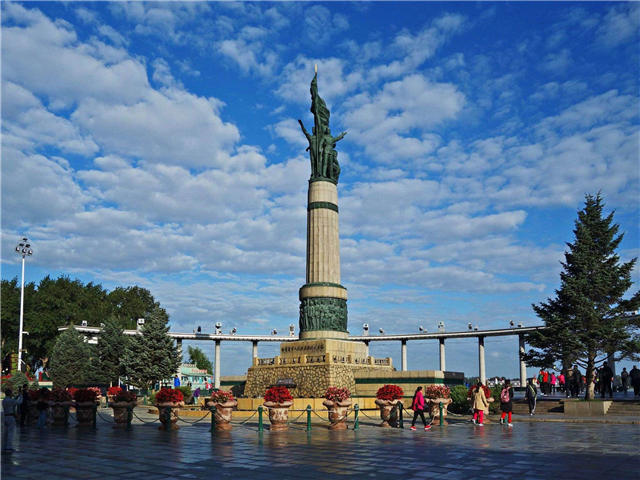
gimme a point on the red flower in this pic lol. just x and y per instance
(114, 391)
(221, 397)
(123, 396)
(436, 391)
(278, 395)
(84, 395)
(34, 395)
(389, 392)
(169, 395)
(335, 394)
(59, 395)
(472, 389)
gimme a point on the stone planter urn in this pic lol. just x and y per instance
(278, 415)
(434, 408)
(174, 414)
(84, 414)
(388, 418)
(337, 413)
(59, 412)
(121, 413)
(222, 414)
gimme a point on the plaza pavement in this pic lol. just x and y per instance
(526, 451)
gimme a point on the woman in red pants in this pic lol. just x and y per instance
(506, 403)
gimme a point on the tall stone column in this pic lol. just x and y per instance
(403, 349)
(481, 373)
(323, 301)
(216, 367)
(179, 344)
(523, 366)
(443, 365)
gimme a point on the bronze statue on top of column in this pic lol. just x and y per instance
(324, 158)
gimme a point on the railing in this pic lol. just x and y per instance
(266, 361)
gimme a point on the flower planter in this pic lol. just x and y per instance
(121, 413)
(337, 413)
(223, 414)
(278, 415)
(174, 414)
(434, 408)
(388, 418)
(84, 413)
(59, 413)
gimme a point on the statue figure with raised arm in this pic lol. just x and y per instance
(324, 159)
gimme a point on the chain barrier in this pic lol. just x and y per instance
(197, 421)
(154, 421)
(240, 424)
(72, 417)
(105, 419)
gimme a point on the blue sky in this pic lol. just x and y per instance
(157, 144)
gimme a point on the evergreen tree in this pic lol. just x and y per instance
(586, 319)
(70, 359)
(153, 355)
(112, 344)
(199, 359)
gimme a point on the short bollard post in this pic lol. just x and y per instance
(356, 410)
(129, 416)
(145, 399)
(401, 407)
(260, 428)
(308, 418)
(66, 416)
(441, 414)
(213, 419)
(168, 419)
(95, 417)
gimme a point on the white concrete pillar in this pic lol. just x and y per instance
(523, 366)
(179, 344)
(482, 374)
(367, 345)
(443, 364)
(216, 367)
(404, 355)
(255, 350)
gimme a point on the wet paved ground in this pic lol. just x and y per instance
(526, 451)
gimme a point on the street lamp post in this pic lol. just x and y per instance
(22, 248)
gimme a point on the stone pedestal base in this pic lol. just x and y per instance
(314, 366)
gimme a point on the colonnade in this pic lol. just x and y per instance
(482, 374)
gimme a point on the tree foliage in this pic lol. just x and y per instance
(586, 319)
(70, 360)
(153, 355)
(54, 303)
(199, 359)
(112, 344)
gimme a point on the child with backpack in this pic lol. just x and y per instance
(506, 404)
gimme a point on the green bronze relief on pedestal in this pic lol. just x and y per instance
(324, 158)
(323, 313)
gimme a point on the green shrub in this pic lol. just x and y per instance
(494, 407)
(18, 380)
(459, 403)
(187, 394)
(152, 398)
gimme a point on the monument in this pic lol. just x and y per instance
(323, 356)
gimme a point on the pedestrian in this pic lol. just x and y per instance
(554, 380)
(561, 383)
(176, 382)
(43, 407)
(506, 404)
(597, 380)
(531, 394)
(545, 382)
(417, 405)
(9, 417)
(541, 382)
(576, 379)
(25, 416)
(606, 378)
(624, 378)
(634, 374)
(479, 404)
(196, 395)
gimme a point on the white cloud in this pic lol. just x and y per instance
(320, 25)
(620, 25)
(290, 130)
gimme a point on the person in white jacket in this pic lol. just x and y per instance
(9, 405)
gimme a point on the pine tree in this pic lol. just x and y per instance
(112, 345)
(586, 319)
(153, 355)
(70, 359)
